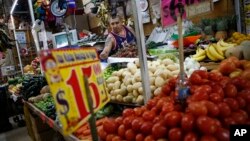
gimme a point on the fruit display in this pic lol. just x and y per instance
(129, 52)
(190, 65)
(215, 102)
(237, 38)
(214, 51)
(125, 85)
(33, 68)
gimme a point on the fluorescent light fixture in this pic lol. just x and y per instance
(13, 7)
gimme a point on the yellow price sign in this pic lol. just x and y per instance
(65, 71)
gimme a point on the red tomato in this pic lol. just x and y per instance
(229, 121)
(239, 117)
(198, 96)
(226, 67)
(208, 138)
(202, 73)
(217, 122)
(219, 90)
(146, 127)
(151, 103)
(206, 88)
(232, 103)
(160, 104)
(172, 119)
(222, 134)
(148, 115)
(234, 60)
(206, 125)
(241, 101)
(110, 137)
(128, 112)
(121, 130)
(172, 83)
(190, 136)
(166, 89)
(118, 120)
(116, 138)
(178, 107)
(239, 82)
(175, 134)
(138, 111)
(102, 134)
(159, 131)
(230, 90)
(139, 137)
(109, 126)
(187, 122)
(159, 119)
(197, 108)
(213, 109)
(225, 80)
(136, 124)
(215, 76)
(193, 89)
(195, 78)
(224, 109)
(166, 108)
(149, 138)
(215, 97)
(130, 135)
(127, 121)
(155, 110)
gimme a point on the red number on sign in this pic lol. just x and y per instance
(96, 98)
(74, 83)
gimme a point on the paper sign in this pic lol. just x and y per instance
(170, 10)
(65, 71)
(199, 8)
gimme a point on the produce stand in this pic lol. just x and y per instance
(30, 108)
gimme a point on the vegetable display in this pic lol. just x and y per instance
(125, 85)
(47, 106)
(130, 52)
(215, 102)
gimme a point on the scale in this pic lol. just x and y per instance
(59, 8)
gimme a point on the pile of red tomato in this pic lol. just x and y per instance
(215, 103)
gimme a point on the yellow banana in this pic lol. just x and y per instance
(226, 48)
(218, 49)
(200, 58)
(210, 56)
(214, 53)
(199, 52)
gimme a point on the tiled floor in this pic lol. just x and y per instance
(16, 134)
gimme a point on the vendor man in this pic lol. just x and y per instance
(119, 37)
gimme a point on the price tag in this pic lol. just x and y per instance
(65, 71)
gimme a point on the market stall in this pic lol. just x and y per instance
(187, 81)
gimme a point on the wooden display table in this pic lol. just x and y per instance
(39, 126)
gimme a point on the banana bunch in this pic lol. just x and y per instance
(214, 52)
(224, 46)
(200, 55)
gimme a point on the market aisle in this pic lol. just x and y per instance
(17, 134)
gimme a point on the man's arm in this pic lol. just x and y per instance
(107, 47)
(131, 30)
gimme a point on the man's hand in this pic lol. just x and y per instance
(107, 47)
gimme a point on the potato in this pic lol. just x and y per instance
(123, 86)
(156, 63)
(132, 67)
(117, 92)
(137, 63)
(172, 67)
(116, 85)
(127, 81)
(112, 79)
(134, 100)
(152, 87)
(167, 62)
(137, 85)
(126, 73)
(128, 99)
(176, 72)
(110, 86)
(133, 80)
(152, 80)
(150, 74)
(137, 78)
(130, 88)
(140, 100)
(113, 98)
(119, 98)
(123, 91)
(157, 91)
(140, 90)
(159, 81)
(119, 73)
(166, 73)
(135, 93)
(152, 69)
(115, 73)
(158, 72)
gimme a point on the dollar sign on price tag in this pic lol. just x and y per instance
(65, 71)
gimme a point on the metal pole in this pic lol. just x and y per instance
(17, 44)
(238, 14)
(33, 22)
(140, 40)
